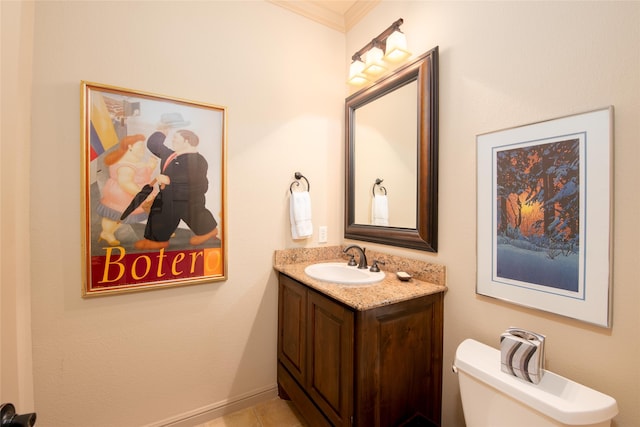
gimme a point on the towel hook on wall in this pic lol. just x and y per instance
(378, 182)
(299, 176)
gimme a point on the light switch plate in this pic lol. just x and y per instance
(322, 234)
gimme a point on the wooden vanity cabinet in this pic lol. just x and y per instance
(380, 367)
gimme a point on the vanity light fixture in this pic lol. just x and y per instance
(396, 50)
(356, 75)
(377, 60)
(374, 61)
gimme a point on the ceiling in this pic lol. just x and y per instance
(340, 15)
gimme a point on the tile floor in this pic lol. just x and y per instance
(272, 413)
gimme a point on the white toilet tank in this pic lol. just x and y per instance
(492, 398)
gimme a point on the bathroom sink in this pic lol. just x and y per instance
(340, 272)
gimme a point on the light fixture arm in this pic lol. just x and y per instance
(379, 40)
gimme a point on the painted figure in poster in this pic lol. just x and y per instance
(538, 211)
(129, 171)
(183, 184)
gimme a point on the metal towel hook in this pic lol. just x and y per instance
(299, 176)
(378, 182)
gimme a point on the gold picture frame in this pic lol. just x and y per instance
(153, 191)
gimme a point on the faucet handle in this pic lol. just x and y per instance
(352, 261)
(374, 267)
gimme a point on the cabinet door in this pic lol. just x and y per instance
(292, 314)
(330, 339)
(400, 363)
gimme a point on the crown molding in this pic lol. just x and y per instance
(328, 13)
(358, 10)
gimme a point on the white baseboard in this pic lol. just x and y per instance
(209, 412)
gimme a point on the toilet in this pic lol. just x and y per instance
(492, 398)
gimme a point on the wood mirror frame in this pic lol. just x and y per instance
(424, 236)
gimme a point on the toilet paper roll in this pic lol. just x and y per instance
(522, 354)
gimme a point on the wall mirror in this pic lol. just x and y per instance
(392, 158)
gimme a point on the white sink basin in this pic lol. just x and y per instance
(340, 272)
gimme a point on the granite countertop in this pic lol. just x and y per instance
(427, 278)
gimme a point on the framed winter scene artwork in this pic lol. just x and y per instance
(153, 190)
(544, 203)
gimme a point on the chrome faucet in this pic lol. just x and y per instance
(363, 257)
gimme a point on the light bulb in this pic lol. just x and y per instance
(396, 47)
(374, 63)
(355, 73)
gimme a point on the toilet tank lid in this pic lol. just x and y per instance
(555, 396)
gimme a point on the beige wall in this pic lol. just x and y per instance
(152, 357)
(504, 64)
(16, 377)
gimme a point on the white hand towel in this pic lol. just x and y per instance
(300, 215)
(379, 210)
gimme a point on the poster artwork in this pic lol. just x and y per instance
(153, 190)
(537, 232)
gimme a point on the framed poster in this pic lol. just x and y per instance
(544, 215)
(153, 190)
